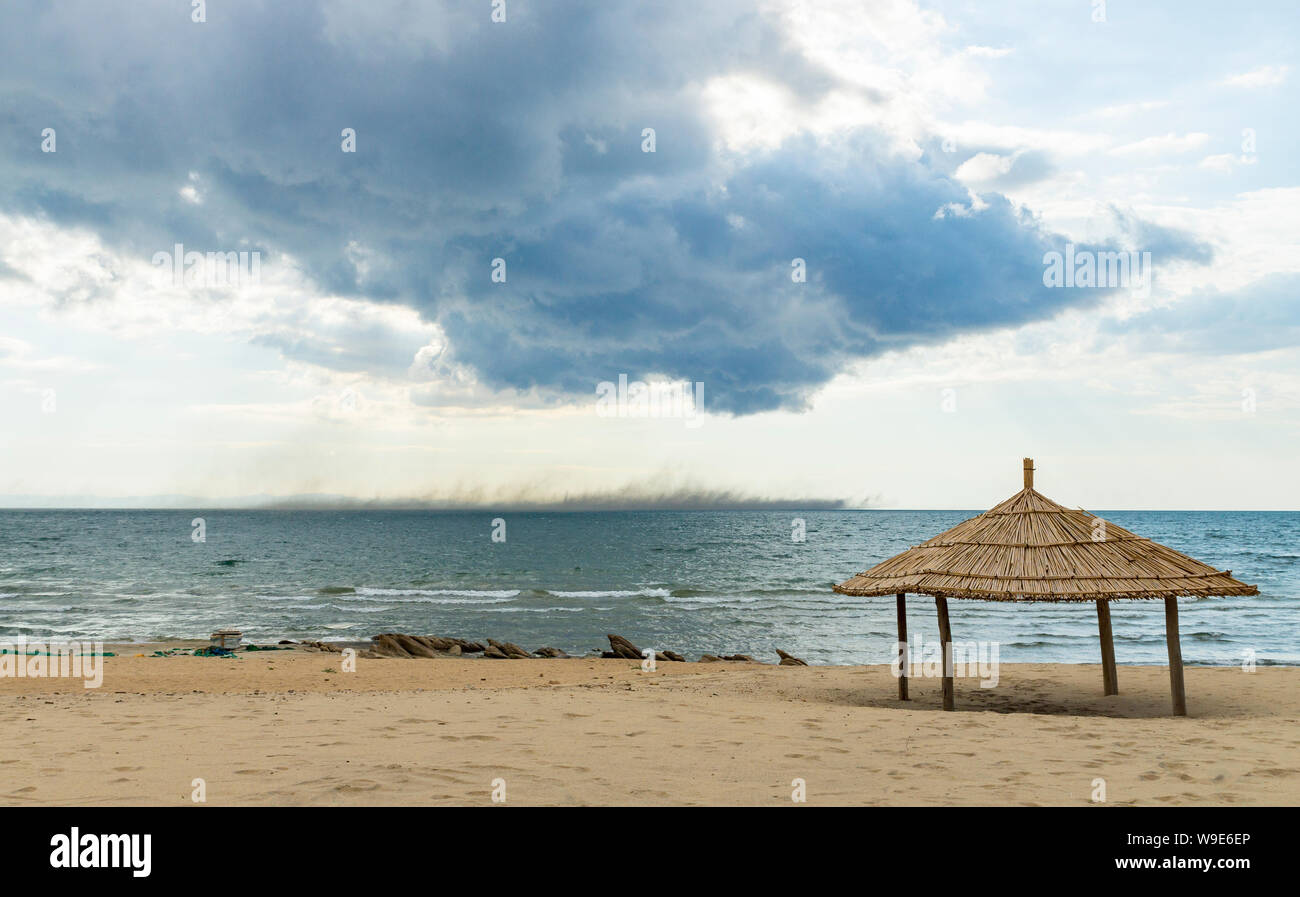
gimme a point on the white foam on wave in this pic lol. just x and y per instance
(43, 627)
(716, 600)
(789, 599)
(534, 610)
(459, 593)
(614, 593)
(314, 603)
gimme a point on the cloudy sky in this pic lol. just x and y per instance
(829, 218)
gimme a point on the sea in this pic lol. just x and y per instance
(689, 581)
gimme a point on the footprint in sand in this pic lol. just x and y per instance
(446, 777)
(363, 785)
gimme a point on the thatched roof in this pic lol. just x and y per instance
(1029, 548)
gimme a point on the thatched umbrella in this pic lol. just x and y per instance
(1029, 548)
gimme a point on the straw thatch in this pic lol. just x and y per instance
(1029, 548)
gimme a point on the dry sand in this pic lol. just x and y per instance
(278, 728)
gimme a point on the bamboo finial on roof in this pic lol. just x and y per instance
(1029, 548)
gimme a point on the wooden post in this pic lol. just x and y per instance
(1109, 679)
(1029, 473)
(1176, 689)
(945, 638)
(902, 640)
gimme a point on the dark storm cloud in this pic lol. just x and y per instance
(521, 141)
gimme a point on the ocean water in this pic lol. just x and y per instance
(694, 582)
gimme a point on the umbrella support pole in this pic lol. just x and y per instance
(902, 646)
(1176, 689)
(1109, 679)
(945, 638)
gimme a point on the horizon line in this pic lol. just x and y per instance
(596, 508)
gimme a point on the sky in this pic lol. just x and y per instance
(671, 254)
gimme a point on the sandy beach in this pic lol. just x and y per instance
(287, 728)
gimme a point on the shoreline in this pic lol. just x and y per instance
(147, 646)
(594, 654)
